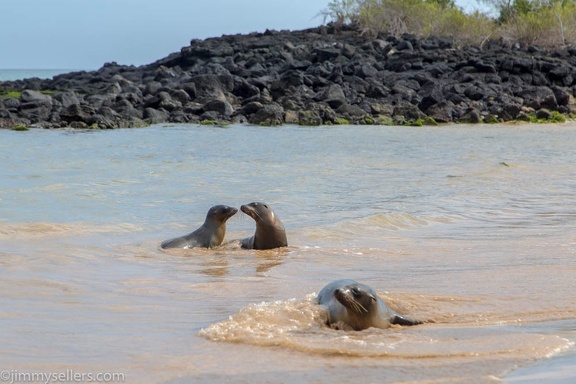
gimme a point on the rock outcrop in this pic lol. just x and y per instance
(323, 75)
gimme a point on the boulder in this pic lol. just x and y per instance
(155, 116)
(222, 107)
(351, 111)
(271, 114)
(538, 97)
(333, 95)
(409, 111)
(309, 117)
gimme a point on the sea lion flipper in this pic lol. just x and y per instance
(247, 243)
(402, 320)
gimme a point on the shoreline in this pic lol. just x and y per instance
(217, 124)
(225, 124)
(557, 369)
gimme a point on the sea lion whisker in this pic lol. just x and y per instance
(357, 306)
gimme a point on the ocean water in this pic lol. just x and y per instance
(471, 227)
(19, 74)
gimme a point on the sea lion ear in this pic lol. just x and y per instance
(272, 214)
(372, 297)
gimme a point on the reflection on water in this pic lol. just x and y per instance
(471, 227)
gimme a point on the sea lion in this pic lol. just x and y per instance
(356, 306)
(209, 235)
(270, 231)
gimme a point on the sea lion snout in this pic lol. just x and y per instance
(253, 209)
(231, 211)
(246, 209)
(221, 213)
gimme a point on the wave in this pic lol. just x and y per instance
(26, 230)
(375, 225)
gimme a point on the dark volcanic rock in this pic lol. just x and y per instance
(320, 75)
(270, 114)
(222, 107)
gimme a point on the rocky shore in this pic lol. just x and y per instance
(324, 75)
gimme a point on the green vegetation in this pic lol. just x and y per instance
(385, 120)
(309, 118)
(554, 117)
(12, 94)
(341, 11)
(20, 128)
(265, 123)
(491, 119)
(419, 122)
(367, 120)
(557, 117)
(214, 123)
(341, 121)
(8, 94)
(547, 23)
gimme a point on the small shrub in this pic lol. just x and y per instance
(340, 11)
(466, 29)
(557, 117)
(530, 28)
(544, 23)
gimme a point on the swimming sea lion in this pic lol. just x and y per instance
(270, 231)
(209, 235)
(357, 306)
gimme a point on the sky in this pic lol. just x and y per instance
(85, 34)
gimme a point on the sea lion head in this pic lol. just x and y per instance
(356, 298)
(260, 212)
(220, 213)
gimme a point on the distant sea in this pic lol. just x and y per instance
(19, 74)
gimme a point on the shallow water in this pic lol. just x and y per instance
(469, 227)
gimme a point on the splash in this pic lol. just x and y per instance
(300, 325)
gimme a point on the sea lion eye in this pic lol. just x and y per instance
(355, 291)
(265, 206)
